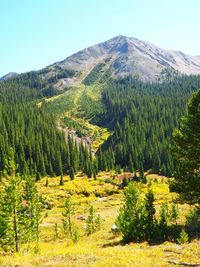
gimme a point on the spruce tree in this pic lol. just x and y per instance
(149, 215)
(69, 226)
(93, 222)
(129, 220)
(20, 208)
(186, 150)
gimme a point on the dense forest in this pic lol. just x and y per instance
(142, 117)
(40, 148)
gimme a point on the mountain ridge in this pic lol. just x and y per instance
(124, 56)
(131, 56)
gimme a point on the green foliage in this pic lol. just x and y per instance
(69, 226)
(20, 209)
(93, 222)
(60, 74)
(164, 219)
(142, 117)
(47, 182)
(193, 218)
(129, 220)
(94, 75)
(56, 230)
(183, 238)
(125, 182)
(61, 180)
(40, 148)
(80, 129)
(37, 177)
(137, 218)
(149, 216)
(174, 213)
(187, 154)
(71, 173)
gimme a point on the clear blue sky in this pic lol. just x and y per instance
(36, 33)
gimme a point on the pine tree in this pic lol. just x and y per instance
(187, 154)
(149, 215)
(174, 213)
(164, 219)
(32, 208)
(93, 222)
(129, 220)
(68, 225)
(20, 208)
(71, 173)
(11, 206)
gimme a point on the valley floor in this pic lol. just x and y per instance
(102, 248)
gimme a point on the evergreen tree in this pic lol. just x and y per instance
(68, 225)
(174, 213)
(37, 178)
(164, 219)
(71, 173)
(20, 208)
(187, 154)
(32, 208)
(93, 222)
(129, 221)
(11, 206)
(150, 220)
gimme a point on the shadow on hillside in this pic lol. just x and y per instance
(113, 244)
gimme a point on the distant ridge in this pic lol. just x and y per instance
(8, 76)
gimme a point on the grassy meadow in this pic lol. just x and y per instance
(103, 248)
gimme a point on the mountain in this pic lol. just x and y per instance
(127, 123)
(8, 76)
(122, 56)
(130, 56)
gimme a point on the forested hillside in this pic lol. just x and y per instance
(142, 117)
(40, 148)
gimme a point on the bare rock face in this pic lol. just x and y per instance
(130, 56)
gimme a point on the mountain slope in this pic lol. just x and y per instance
(130, 56)
(8, 76)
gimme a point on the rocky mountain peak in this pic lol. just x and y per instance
(131, 56)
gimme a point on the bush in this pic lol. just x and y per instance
(193, 217)
(125, 182)
(183, 238)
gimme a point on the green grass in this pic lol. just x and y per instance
(80, 100)
(102, 248)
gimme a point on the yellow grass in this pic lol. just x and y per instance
(102, 248)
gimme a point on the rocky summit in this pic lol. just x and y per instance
(131, 56)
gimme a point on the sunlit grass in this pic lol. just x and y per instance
(102, 248)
